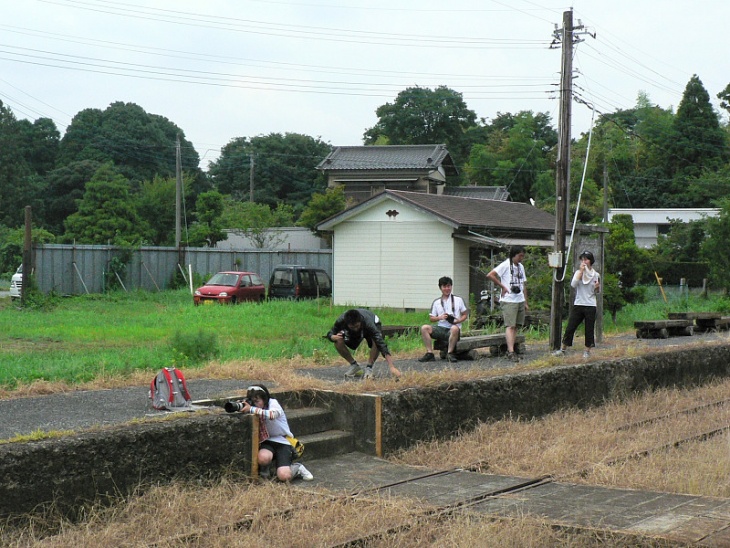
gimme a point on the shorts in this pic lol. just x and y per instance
(353, 342)
(283, 452)
(513, 314)
(439, 333)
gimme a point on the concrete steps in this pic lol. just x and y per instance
(315, 428)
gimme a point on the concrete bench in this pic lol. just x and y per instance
(496, 342)
(663, 329)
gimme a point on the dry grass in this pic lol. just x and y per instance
(594, 446)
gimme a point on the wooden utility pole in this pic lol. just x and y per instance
(250, 179)
(562, 176)
(27, 255)
(178, 204)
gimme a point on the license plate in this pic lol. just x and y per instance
(208, 301)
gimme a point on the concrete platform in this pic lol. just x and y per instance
(704, 521)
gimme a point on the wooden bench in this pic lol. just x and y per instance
(466, 347)
(663, 329)
(704, 321)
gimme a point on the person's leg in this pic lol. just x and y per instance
(590, 317)
(576, 316)
(454, 334)
(509, 314)
(373, 355)
(426, 331)
(343, 351)
(510, 333)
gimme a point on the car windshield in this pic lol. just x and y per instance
(223, 279)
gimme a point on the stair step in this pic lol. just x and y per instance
(310, 420)
(327, 444)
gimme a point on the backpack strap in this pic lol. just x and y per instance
(183, 384)
(168, 377)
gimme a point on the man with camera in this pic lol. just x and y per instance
(510, 276)
(449, 311)
(349, 330)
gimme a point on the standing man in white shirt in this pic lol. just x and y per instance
(510, 276)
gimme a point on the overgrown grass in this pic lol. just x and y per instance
(82, 338)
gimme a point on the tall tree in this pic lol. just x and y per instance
(421, 116)
(283, 169)
(714, 247)
(106, 213)
(698, 142)
(65, 188)
(207, 231)
(141, 145)
(624, 257)
(515, 155)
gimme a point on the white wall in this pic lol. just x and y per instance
(395, 261)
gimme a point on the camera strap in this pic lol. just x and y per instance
(452, 306)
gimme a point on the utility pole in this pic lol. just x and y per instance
(250, 181)
(178, 203)
(565, 37)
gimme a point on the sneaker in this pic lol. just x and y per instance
(303, 473)
(452, 358)
(427, 357)
(442, 354)
(368, 373)
(354, 371)
(559, 352)
(586, 355)
(512, 356)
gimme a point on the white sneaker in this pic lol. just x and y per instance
(559, 352)
(305, 474)
(368, 373)
(354, 371)
(586, 355)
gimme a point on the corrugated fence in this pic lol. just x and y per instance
(78, 269)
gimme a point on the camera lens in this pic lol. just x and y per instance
(233, 406)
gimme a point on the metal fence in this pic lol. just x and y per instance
(78, 269)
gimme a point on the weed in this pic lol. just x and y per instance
(193, 348)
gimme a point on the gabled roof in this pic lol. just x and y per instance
(388, 157)
(461, 213)
(481, 192)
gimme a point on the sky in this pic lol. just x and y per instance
(223, 69)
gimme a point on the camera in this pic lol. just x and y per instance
(235, 406)
(450, 318)
(515, 289)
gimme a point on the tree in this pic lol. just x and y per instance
(515, 154)
(106, 213)
(283, 169)
(623, 256)
(14, 171)
(256, 221)
(140, 145)
(421, 116)
(207, 230)
(321, 207)
(155, 204)
(714, 247)
(64, 189)
(698, 142)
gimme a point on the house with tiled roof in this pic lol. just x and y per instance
(391, 249)
(365, 171)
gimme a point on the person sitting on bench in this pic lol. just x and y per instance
(449, 311)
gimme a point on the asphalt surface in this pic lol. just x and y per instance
(80, 410)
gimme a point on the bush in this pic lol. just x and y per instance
(194, 348)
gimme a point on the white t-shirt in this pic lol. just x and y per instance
(512, 275)
(585, 288)
(454, 305)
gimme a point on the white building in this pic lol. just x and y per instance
(649, 223)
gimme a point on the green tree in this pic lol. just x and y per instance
(714, 247)
(624, 258)
(11, 248)
(322, 206)
(14, 171)
(421, 116)
(106, 213)
(207, 230)
(515, 155)
(141, 145)
(283, 169)
(155, 204)
(698, 142)
(65, 188)
(255, 221)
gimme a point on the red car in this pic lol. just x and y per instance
(231, 288)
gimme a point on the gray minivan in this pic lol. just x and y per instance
(290, 281)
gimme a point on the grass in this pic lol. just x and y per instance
(109, 338)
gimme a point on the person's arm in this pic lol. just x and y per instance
(334, 334)
(464, 313)
(496, 278)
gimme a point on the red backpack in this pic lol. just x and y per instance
(168, 390)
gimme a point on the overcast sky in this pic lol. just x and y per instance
(222, 69)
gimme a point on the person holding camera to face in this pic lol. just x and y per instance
(586, 282)
(510, 276)
(448, 311)
(349, 330)
(273, 431)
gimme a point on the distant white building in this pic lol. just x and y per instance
(288, 238)
(649, 223)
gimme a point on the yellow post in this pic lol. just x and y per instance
(659, 281)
